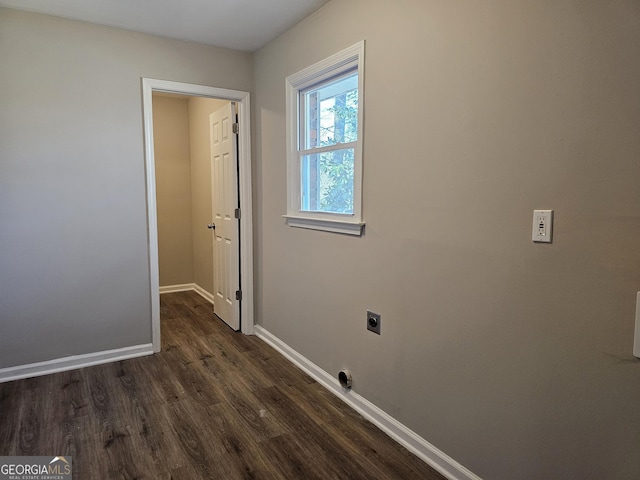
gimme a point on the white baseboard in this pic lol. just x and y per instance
(188, 287)
(203, 293)
(396, 430)
(73, 362)
(177, 288)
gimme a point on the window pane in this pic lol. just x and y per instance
(330, 113)
(327, 181)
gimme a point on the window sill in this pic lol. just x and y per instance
(335, 226)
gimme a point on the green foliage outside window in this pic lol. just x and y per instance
(337, 167)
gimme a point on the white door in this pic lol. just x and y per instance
(224, 186)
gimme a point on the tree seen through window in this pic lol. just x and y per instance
(331, 125)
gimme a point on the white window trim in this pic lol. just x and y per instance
(351, 224)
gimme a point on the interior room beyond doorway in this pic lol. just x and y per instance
(184, 191)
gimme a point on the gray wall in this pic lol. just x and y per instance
(74, 274)
(512, 357)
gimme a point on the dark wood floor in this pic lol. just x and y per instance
(213, 404)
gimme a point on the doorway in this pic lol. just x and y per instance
(241, 100)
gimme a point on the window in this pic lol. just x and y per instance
(324, 139)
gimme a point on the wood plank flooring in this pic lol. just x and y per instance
(214, 404)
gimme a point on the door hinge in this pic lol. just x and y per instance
(237, 213)
(235, 128)
(238, 294)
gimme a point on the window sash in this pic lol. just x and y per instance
(308, 116)
(312, 196)
(341, 64)
(328, 148)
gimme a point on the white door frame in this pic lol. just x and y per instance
(149, 86)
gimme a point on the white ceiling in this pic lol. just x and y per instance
(238, 24)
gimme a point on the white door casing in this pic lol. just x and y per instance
(224, 199)
(244, 159)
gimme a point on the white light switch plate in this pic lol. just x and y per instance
(542, 228)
